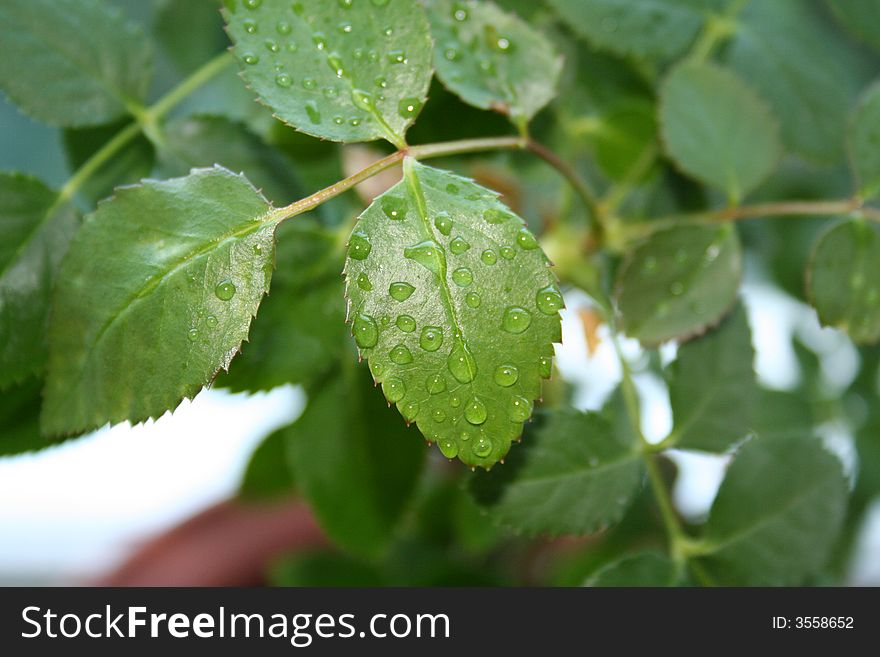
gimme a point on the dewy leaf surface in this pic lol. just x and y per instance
(72, 63)
(493, 59)
(154, 297)
(346, 71)
(453, 303)
(35, 230)
(717, 129)
(843, 279)
(864, 143)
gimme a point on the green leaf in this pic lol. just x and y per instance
(190, 33)
(679, 282)
(713, 387)
(642, 569)
(301, 333)
(864, 143)
(717, 129)
(35, 229)
(354, 462)
(20, 419)
(646, 28)
(350, 71)
(575, 474)
(268, 474)
(72, 62)
(776, 515)
(202, 141)
(324, 569)
(861, 17)
(627, 129)
(797, 62)
(154, 298)
(452, 301)
(843, 279)
(493, 59)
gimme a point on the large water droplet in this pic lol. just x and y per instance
(400, 355)
(482, 447)
(283, 80)
(462, 277)
(455, 402)
(272, 46)
(438, 415)
(359, 246)
(363, 282)
(459, 246)
(516, 319)
(443, 223)
(473, 299)
(401, 290)
(394, 207)
(193, 334)
(549, 300)
(507, 252)
(459, 12)
(362, 99)
(381, 81)
(461, 363)
(431, 338)
(225, 290)
(334, 61)
(250, 58)
(520, 409)
(406, 323)
(410, 410)
(488, 257)
(448, 447)
(475, 412)
(429, 255)
(526, 240)
(211, 321)
(366, 333)
(407, 108)
(312, 111)
(436, 384)
(394, 389)
(506, 375)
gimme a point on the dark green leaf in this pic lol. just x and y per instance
(190, 32)
(268, 474)
(574, 475)
(324, 569)
(864, 142)
(643, 569)
(72, 62)
(355, 71)
(679, 282)
(452, 301)
(777, 513)
(20, 419)
(861, 17)
(35, 229)
(843, 280)
(713, 387)
(625, 132)
(355, 463)
(154, 298)
(717, 129)
(492, 59)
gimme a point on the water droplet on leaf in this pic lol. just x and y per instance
(431, 338)
(475, 412)
(506, 375)
(520, 409)
(406, 323)
(394, 389)
(401, 291)
(359, 246)
(366, 333)
(400, 355)
(443, 223)
(549, 300)
(461, 363)
(225, 290)
(462, 277)
(516, 319)
(459, 246)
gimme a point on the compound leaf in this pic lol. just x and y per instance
(717, 129)
(864, 143)
(346, 71)
(679, 282)
(843, 279)
(493, 59)
(573, 475)
(453, 303)
(72, 63)
(154, 298)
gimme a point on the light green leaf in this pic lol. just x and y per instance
(647, 28)
(154, 298)
(641, 569)
(843, 279)
(679, 282)
(355, 463)
(776, 515)
(861, 17)
(796, 61)
(717, 129)
(864, 143)
(72, 62)
(713, 387)
(575, 474)
(268, 474)
(349, 71)
(203, 141)
(493, 59)
(35, 229)
(453, 303)
(301, 332)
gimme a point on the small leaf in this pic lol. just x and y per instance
(493, 59)
(641, 569)
(452, 301)
(861, 17)
(679, 282)
(776, 515)
(154, 297)
(713, 387)
(301, 330)
(355, 463)
(72, 62)
(864, 143)
(573, 475)
(717, 129)
(268, 474)
(355, 71)
(843, 279)
(35, 229)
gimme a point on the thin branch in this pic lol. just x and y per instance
(583, 189)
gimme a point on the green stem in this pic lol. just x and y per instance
(174, 97)
(588, 196)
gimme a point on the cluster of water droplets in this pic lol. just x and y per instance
(224, 290)
(488, 40)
